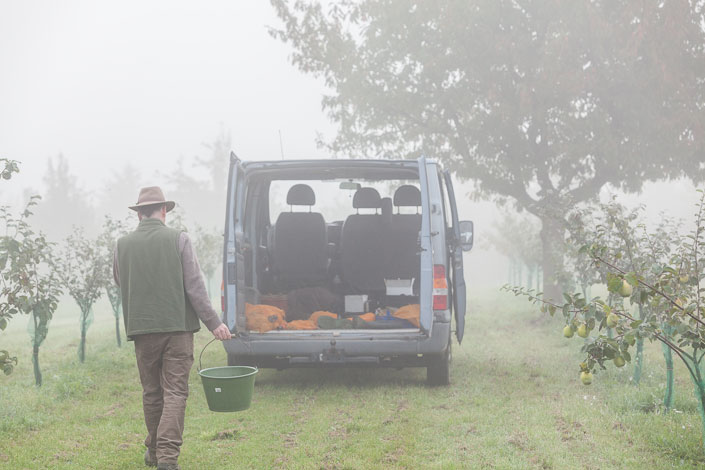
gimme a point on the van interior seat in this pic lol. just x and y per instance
(362, 245)
(402, 238)
(300, 243)
(386, 211)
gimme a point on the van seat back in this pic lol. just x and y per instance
(362, 245)
(402, 238)
(300, 244)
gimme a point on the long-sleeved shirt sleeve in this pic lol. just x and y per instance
(194, 285)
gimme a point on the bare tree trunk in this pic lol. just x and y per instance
(117, 331)
(639, 357)
(82, 347)
(35, 364)
(520, 274)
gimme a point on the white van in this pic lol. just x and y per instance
(378, 236)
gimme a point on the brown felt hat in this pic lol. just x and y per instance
(150, 196)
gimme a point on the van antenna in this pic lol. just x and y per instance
(281, 145)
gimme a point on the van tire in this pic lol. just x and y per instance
(438, 368)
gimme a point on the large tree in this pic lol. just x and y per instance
(120, 190)
(541, 102)
(64, 202)
(516, 237)
(209, 249)
(202, 200)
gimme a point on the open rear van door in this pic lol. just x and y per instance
(233, 259)
(456, 259)
(426, 257)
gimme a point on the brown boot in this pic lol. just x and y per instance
(168, 466)
(149, 460)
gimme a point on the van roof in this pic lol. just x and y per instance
(333, 162)
(335, 168)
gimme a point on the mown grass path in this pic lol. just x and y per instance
(515, 403)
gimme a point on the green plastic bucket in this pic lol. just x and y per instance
(228, 388)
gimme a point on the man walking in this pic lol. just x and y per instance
(163, 298)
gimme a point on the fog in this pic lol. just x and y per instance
(146, 84)
(151, 84)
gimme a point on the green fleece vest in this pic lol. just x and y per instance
(152, 281)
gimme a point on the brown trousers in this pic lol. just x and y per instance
(164, 361)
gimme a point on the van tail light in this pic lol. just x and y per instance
(222, 297)
(440, 287)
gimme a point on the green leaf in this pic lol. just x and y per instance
(614, 283)
(632, 279)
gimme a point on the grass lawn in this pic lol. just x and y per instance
(515, 402)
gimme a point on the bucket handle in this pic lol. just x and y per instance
(200, 368)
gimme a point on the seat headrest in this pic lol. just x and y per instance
(300, 195)
(366, 198)
(407, 196)
(386, 206)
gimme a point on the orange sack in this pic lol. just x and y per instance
(367, 316)
(316, 315)
(301, 325)
(410, 313)
(264, 318)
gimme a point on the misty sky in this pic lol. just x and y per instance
(106, 83)
(147, 82)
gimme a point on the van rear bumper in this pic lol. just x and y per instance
(336, 348)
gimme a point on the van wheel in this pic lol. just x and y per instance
(438, 368)
(236, 360)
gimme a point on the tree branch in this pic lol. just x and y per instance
(658, 291)
(587, 189)
(517, 190)
(658, 336)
